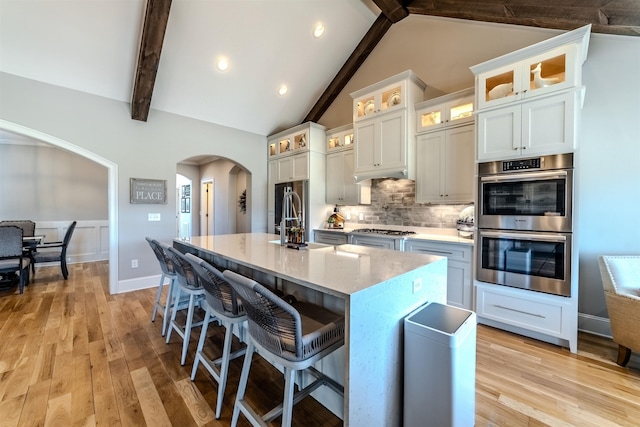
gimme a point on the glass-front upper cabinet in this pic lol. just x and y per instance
(299, 139)
(288, 144)
(447, 110)
(548, 66)
(340, 138)
(378, 102)
(390, 94)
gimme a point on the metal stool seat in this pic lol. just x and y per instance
(188, 284)
(168, 272)
(221, 303)
(290, 336)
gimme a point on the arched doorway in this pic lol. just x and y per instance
(112, 190)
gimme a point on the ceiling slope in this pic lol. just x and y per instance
(620, 17)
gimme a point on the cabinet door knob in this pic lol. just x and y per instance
(515, 148)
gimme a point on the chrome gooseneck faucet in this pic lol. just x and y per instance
(288, 208)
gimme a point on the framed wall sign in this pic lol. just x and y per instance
(148, 191)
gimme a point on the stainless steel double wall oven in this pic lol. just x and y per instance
(525, 223)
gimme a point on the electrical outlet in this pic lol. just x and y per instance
(134, 263)
(361, 216)
(417, 284)
(348, 216)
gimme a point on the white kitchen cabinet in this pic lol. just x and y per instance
(445, 166)
(528, 312)
(549, 66)
(382, 145)
(384, 127)
(453, 109)
(293, 168)
(528, 101)
(546, 125)
(341, 187)
(459, 273)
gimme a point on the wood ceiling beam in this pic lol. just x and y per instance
(155, 25)
(359, 55)
(392, 9)
(606, 16)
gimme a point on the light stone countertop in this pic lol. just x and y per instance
(446, 235)
(338, 270)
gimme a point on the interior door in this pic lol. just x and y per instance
(207, 221)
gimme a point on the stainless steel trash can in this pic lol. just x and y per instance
(439, 367)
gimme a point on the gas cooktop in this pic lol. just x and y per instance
(383, 232)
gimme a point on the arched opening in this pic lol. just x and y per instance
(222, 197)
(112, 187)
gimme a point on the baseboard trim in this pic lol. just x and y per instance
(138, 283)
(594, 325)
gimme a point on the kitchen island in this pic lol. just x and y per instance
(375, 288)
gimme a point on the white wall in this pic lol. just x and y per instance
(41, 182)
(608, 159)
(140, 149)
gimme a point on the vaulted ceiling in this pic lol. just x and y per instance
(159, 54)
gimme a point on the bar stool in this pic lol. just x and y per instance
(188, 284)
(221, 303)
(168, 272)
(291, 336)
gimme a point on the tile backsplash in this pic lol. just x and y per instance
(393, 203)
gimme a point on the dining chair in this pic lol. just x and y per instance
(293, 337)
(188, 284)
(28, 227)
(55, 251)
(12, 256)
(28, 230)
(221, 304)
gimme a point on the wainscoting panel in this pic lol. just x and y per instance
(90, 240)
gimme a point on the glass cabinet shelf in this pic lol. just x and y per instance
(447, 110)
(340, 138)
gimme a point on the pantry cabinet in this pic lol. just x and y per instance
(445, 166)
(384, 127)
(528, 101)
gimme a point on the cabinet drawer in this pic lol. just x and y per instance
(450, 250)
(330, 238)
(523, 309)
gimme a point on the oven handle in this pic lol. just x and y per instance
(523, 236)
(524, 176)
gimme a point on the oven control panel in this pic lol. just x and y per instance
(514, 165)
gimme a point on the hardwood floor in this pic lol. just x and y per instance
(73, 355)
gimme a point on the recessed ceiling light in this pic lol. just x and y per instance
(283, 90)
(222, 63)
(318, 30)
